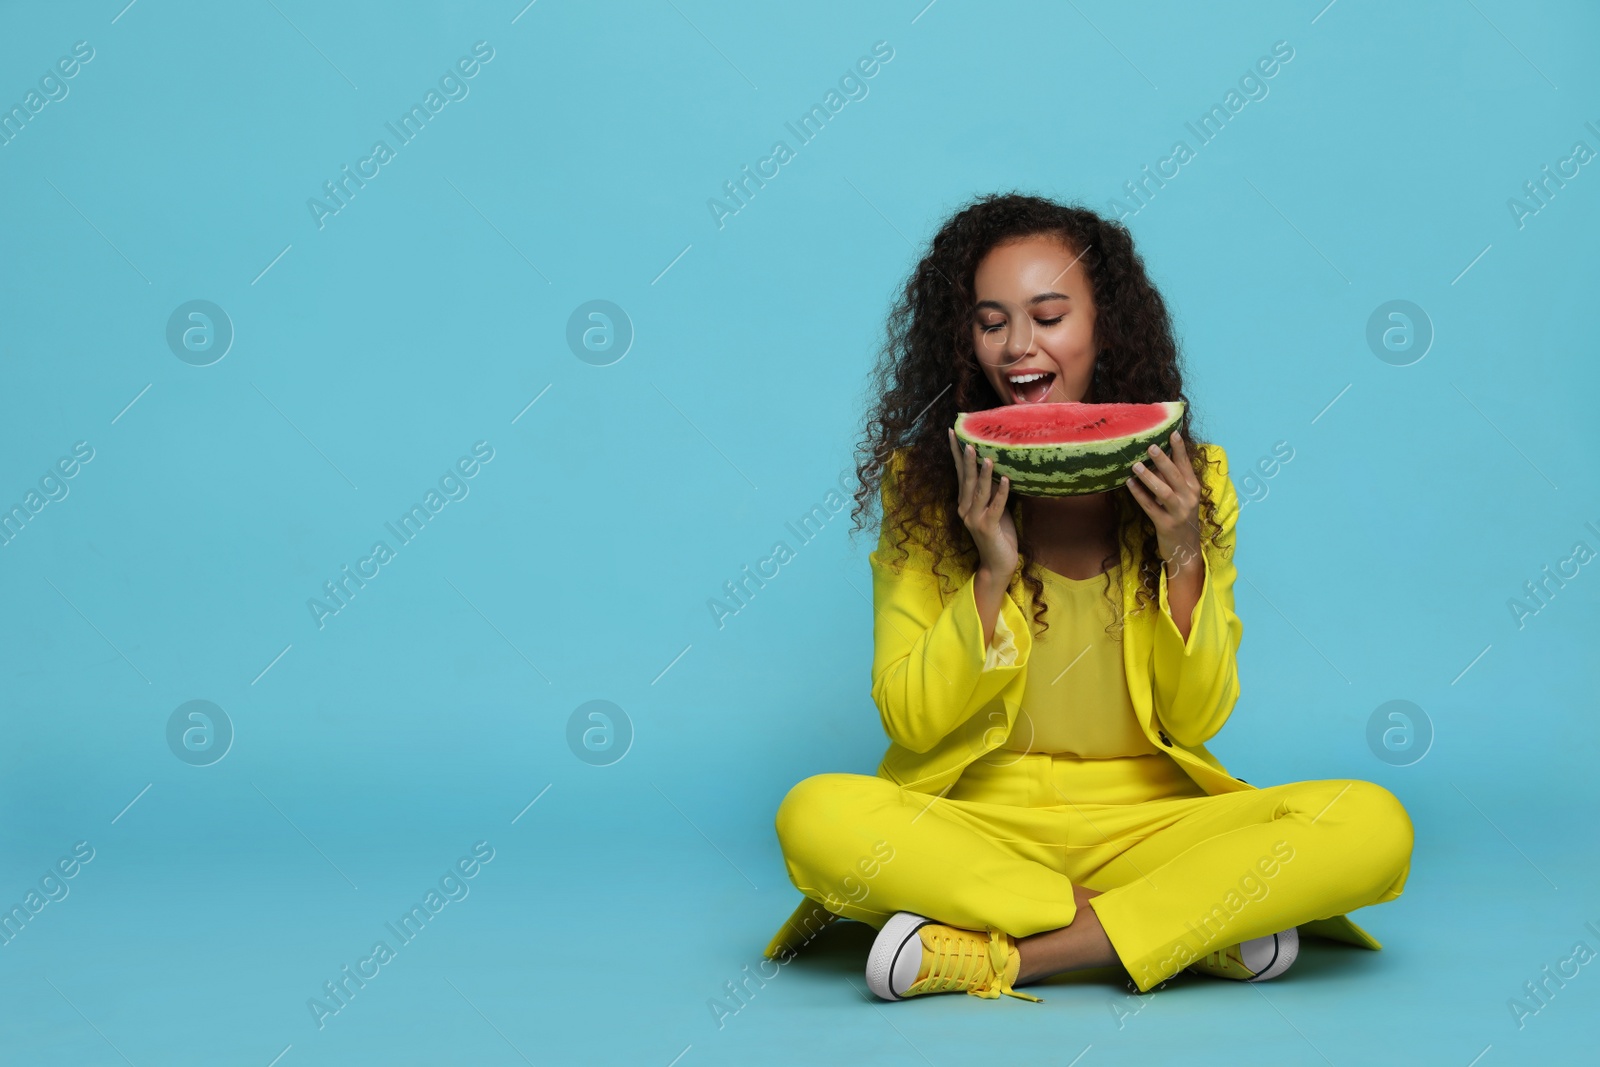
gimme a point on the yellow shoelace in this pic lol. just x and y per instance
(1227, 963)
(966, 960)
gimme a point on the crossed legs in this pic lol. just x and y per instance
(1152, 886)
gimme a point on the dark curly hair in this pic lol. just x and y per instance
(927, 372)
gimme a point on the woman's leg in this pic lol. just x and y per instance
(1081, 944)
(866, 848)
(1236, 866)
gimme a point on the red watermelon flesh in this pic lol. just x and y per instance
(1067, 449)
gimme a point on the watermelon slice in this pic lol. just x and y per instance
(1067, 449)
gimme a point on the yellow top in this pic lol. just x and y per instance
(1075, 698)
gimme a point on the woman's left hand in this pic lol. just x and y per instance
(1170, 495)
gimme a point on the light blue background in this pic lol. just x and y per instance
(427, 314)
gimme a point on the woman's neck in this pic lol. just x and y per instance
(1089, 512)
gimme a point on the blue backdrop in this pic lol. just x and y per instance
(391, 392)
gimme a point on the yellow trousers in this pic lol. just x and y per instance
(1181, 873)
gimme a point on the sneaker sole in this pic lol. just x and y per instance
(897, 934)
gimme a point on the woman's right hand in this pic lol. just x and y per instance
(981, 502)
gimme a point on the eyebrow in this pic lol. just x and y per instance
(1041, 298)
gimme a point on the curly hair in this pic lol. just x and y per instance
(927, 372)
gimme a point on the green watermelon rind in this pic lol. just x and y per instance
(1075, 469)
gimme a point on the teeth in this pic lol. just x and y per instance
(1024, 379)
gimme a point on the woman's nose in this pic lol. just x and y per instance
(1019, 339)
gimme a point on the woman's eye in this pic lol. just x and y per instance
(990, 327)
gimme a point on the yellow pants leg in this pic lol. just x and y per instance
(1181, 875)
(865, 848)
(1242, 865)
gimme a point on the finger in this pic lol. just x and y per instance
(1153, 481)
(1180, 455)
(1180, 459)
(972, 477)
(1142, 497)
(955, 457)
(962, 477)
(984, 485)
(969, 476)
(998, 502)
(1166, 465)
(1180, 448)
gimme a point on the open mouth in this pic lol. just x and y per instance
(1032, 387)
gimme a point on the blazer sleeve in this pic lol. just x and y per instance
(1195, 682)
(930, 669)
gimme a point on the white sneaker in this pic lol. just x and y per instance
(1255, 960)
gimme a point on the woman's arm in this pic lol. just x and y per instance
(1195, 676)
(933, 666)
(988, 589)
(1185, 578)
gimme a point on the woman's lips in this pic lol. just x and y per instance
(1032, 392)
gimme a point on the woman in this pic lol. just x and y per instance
(1048, 670)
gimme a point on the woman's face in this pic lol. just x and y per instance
(1034, 316)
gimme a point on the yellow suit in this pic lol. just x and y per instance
(945, 700)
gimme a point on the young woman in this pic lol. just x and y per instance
(1048, 670)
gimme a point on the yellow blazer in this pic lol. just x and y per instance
(945, 699)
